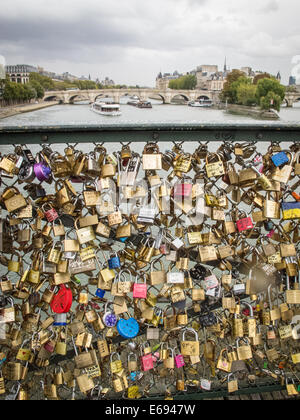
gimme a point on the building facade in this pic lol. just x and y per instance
(20, 73)
(210, 78)
(163, 80)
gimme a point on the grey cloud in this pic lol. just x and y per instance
(272, 6)
(126, 36)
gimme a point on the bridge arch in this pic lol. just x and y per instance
(204, 97)
(52, 97)
(285, 102)
(182, 95)
(162, 97)
(128, 94)
(79, 96)
(103, 96)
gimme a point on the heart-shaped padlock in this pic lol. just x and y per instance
(128, 328)
(62, 301)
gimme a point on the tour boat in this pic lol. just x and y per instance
(202, 103)
(113, 110)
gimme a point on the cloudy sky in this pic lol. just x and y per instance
(132, 40)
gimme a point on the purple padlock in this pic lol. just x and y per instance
(109, 319)
(42, 171)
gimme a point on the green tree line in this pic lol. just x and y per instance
(264, 90)
(188, 82)
(15, 93)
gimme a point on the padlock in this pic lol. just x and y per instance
(132, 364)
(190, 348)
(146, 361)
(179, 360)
(128, 328)
(114, 262)
(84, 235)
(109, 317)
(152, 159)
(140, 290)
(170, 321)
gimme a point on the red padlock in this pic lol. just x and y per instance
(140, 290)
(62, 301)
(147, 362)
(244, 224)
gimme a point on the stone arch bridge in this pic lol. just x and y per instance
(291, 98)
(67, 97)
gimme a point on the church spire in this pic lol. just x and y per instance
(225, 65)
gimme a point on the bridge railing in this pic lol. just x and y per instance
(166, 135)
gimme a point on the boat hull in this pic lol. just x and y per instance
(107, 114)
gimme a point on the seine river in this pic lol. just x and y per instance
(81, 114)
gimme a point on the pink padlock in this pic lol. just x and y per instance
(51, 214)
(146, 361)
(179, 361)
(140, 290)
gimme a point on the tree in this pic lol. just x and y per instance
(44, 81)
(270, 91)
(228, 94)
(232, 92)
(261, 76)
(40, 92)
(246, 94)
(188, 82)
(85, 84)
(271, 100)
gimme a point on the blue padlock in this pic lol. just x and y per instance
(114, 262)
(280, 159)
(133, 376)
(100, 293)
(128, 328)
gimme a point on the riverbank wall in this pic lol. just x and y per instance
(20, 109)
(252, 112)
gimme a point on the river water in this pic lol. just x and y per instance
(81, 114)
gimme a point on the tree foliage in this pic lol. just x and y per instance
(228, 94)
(246, 94)
(264, 90)
(271, 100)
(188, 82)
(16, 92)
(270, 93)
(265, 86)
(46, 82)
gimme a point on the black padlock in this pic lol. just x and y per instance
(28, 156)
(268, 225)
(208, 320)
